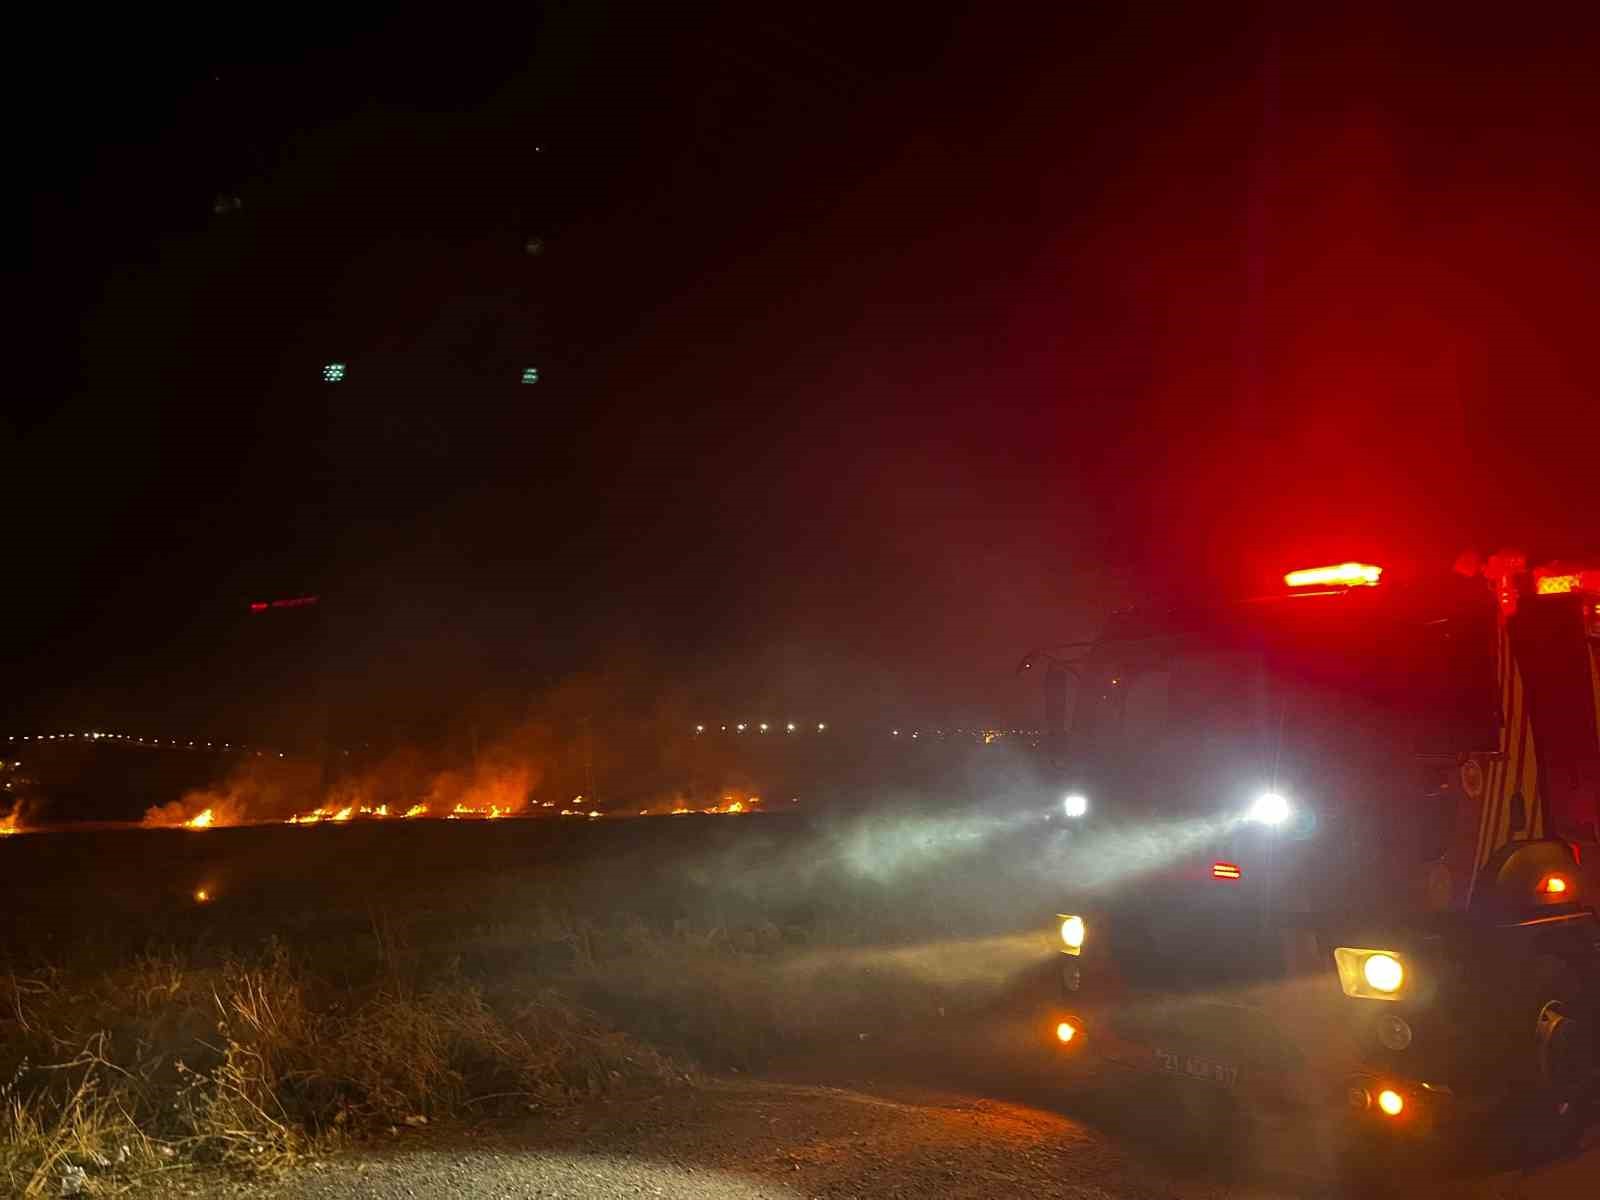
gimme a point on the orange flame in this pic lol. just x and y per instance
(417, 810)
(203, 819)
(8, 824)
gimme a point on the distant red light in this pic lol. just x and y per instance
(290, 602)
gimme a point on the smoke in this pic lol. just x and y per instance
(500, 780)
(255, 790)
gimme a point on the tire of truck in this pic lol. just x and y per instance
(1547, 1121)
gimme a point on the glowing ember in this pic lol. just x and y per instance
(203, 819)
(202, 896)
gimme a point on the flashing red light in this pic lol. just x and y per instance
(259, 606)
(1350, 574)
(1224, 870)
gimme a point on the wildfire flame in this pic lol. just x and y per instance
(350, 812)
(203, 819)
(8, 824)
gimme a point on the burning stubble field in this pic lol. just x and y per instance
(171, 997)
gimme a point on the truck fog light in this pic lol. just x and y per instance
(1394, 1033)
(1065, 1032)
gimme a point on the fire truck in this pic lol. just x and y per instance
(1335, 850)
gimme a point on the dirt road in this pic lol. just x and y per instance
(734, 1139)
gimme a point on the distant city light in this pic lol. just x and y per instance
(333, 372)
(821, 727)
(530, 374)
(790, 726)
(763, 727)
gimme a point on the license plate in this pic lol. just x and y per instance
(1192, 1066)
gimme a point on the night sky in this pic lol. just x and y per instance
(873, 349)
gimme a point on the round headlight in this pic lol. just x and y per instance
(1075, 805)
(1072, 932)
(1383, 972)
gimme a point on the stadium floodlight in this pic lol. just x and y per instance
(333, 372)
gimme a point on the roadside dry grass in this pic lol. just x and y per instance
(161, 1064)
(158, 1065)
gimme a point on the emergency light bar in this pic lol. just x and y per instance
(1224, 870)
(1350, 574)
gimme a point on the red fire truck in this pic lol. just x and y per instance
(1335, 849)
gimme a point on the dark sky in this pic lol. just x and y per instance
(872, 346)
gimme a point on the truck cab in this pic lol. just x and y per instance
(1334, 847)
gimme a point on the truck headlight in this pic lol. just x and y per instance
(1370, 974)
(1269, 809)
(1075, 804)
(1072, 934)
(1384, 972)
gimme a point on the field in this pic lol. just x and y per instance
(241, 995)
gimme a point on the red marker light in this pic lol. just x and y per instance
(258, 606)
(1553, 885)
(1223, 870)
(1350, 574)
